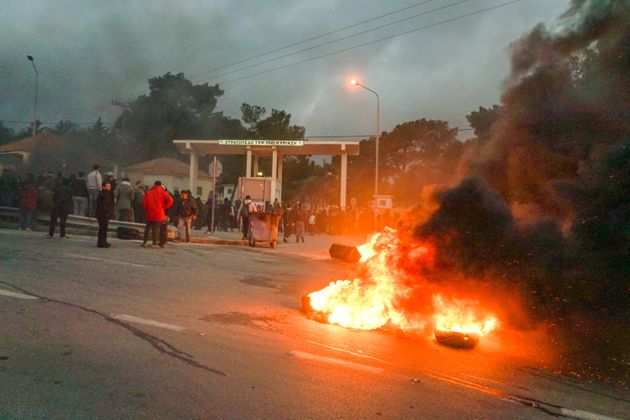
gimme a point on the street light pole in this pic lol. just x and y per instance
(378, 132)
(32, 60)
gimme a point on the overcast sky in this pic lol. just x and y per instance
(89, 52)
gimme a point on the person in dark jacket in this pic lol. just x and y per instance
(227, 214)
(62, 206)
(288, 222)
(186, 212)
(300, 217)
(210, 209)
(172, 214)
(104, 212)
(80, 190)
(138, 202)
(200, 219)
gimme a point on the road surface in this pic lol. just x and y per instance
(207, 331)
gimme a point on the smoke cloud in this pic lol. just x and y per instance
(567, 95)
(544, 206)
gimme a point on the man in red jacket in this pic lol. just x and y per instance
(28, 203)
(156, 200)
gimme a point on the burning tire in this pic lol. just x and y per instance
(312, 313)
(456, 339)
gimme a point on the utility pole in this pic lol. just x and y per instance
(124, 106)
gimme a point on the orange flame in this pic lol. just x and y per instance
(373, 300)
(368, 303)
(459, 315)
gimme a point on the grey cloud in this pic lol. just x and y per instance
(90, 52)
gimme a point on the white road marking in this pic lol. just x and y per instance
(338, 362)
(361, 355)
(16, 295)
(106, 260)
(581, 414)
(131, 318)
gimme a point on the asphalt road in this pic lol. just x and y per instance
(207, 331)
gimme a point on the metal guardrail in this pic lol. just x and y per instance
(78, 222)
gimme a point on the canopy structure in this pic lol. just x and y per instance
(276, 149)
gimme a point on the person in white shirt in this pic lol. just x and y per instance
(94, 186)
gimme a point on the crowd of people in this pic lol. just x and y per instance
(106, 198)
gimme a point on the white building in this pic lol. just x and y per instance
(173, 173)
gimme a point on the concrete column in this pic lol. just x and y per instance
(256, 162)
(274, 163)
(248, 167)
(344, 177)
(194, 169)
(280, 164)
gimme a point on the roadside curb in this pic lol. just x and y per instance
(217, 241)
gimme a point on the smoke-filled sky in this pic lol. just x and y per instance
(90, 52)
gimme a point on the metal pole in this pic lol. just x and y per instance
(32, 60)
(376, 152)
(378, 133)
(214, 190)
(36, 99)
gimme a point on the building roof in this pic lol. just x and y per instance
(166, 166)
(45, 138)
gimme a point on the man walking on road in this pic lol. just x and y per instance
(104, 212)
(300, 223)
(94, 186)
(186, 213)
(156, 201)
(62, 206)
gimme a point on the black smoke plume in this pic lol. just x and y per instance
(567, 95)
(545, 206)
(475, 234)
(560, 149)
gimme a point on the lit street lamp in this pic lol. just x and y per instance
(378, 131)
(32, 60)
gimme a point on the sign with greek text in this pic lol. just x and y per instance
(252, 142)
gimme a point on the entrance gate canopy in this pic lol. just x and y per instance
(254, 148)
(285, 147)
